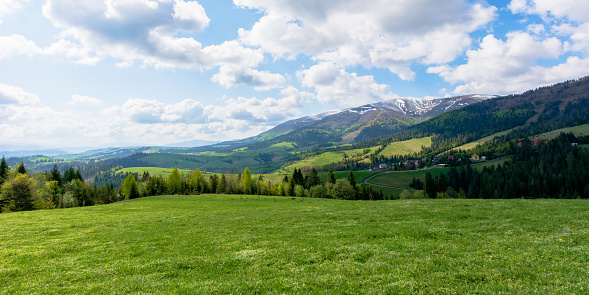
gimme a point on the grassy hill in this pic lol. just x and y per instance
(406, 147)
(581, 130)
(242, 244)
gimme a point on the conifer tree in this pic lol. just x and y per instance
(21, 168)
(330, 177)
(4, 171)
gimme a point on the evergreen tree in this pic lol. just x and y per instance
(4, 171)
(54, 175)
(352, 179)
(21, 168)
(312, 179)
(330, 177)
(429, 187)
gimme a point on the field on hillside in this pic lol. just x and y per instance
(403, 178)
(393, 149)
(245, 244)
(406, 147)
(472, 145)
(581, 130)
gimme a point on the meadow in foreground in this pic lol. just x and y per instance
(248, 244)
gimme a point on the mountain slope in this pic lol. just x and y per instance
(532, 112)
(360, 123)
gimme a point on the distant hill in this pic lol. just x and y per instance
(356, 124)
(532, 112)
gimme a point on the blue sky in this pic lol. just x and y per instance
(155, 72)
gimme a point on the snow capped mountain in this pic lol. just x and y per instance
(397, 114)
(429, 107)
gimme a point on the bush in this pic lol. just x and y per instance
(418, 195)
(317, 191)
(343, 190)
(405, 194)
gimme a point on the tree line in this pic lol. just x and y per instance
(557, 168)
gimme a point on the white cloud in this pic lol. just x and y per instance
(261, 80)
(383, 34)
(84, 100)
(66, 48)
(16, 95)
(142, 121)
(152, 111)
(334, 84)
(572, 10)
(10, 6)
(143, 31)
(17, 45)
(499, 67)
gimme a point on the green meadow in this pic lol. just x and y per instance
(247, 244)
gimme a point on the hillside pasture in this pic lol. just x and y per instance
(581, 130)
(402, 179)
(406, 147)
(244, 245)
(474, 144)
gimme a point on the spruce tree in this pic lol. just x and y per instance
(4, 170)
(330, 177)
(21, 168)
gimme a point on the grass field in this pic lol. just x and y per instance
(406, 147)
(396, 148)
(245, 245)
(472, 145)
(402, 179)
(581, 130)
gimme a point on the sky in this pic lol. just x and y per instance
(99, 73)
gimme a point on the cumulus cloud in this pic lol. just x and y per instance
(10, 6)
(16, 95)
(334, 84)
(382, 34)
(141, 30)
(509, 66)
(570, 9)
(17, 45)
(229, 76)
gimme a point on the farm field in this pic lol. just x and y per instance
(393, 149)
(403, 178)
(407, 147)
(248, 244)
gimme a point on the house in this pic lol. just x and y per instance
(475, 157)
(435, 160)
(451, 157)
(483, 158)
(443, 165)
(382, 166)
(520, 144)
(574, 143)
